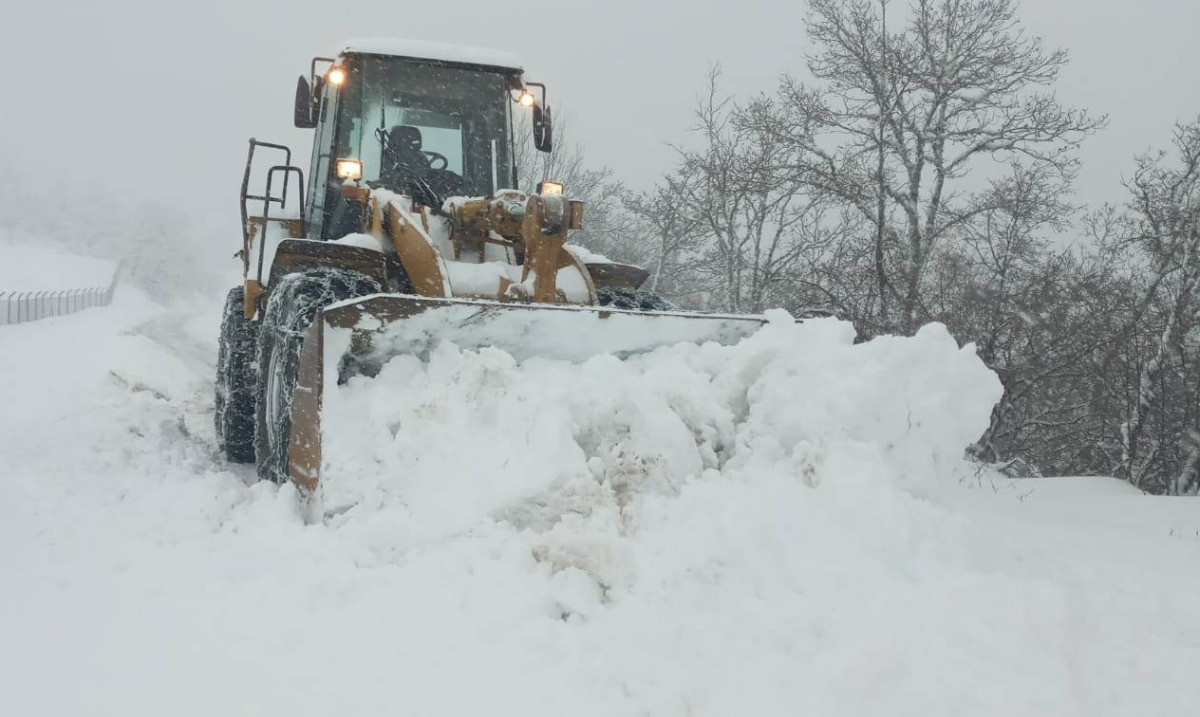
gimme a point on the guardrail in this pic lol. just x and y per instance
(17, 307)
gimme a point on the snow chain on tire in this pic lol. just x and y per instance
(235, 384)
(291, 308)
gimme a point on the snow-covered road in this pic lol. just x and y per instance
(777, 529)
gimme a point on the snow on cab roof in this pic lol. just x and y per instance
(433, 51)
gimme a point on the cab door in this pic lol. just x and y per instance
(319, 169)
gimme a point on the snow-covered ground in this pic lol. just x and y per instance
(780, 528)
(38, 266)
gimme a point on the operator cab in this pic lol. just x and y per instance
(422, 119)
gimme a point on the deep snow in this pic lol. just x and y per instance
(31, 265)
(784, 527)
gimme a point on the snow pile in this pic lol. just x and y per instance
(586, 255)
(678, 472)
(42, 267)
(776, 528)
(427, 50)
(467, 433)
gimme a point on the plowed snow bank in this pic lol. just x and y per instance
(695, 513)
(772, 529)
(42, 267)
(471, 435)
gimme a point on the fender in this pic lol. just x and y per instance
(303, 254)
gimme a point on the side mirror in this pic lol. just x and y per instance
(304, 117)
(543, 129)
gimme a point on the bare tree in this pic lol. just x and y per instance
(898, 119)
(926, 176)
(755, 218)
(1002, 286)
(1166, 204)
(674, 234)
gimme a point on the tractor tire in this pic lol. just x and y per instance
(235, 384)
(291, 307)
(632, 299)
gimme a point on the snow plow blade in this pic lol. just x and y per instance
(360, 335)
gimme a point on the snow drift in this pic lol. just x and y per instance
(687, 515)
(39, 266)
(775, 528)
(474, 435)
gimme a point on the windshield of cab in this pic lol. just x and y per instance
(408, 121)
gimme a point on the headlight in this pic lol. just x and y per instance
(548, 188)
(349, 169)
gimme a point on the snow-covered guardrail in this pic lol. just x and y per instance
(17, 307)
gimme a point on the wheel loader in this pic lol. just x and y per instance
(409, 230)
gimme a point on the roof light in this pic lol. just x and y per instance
(549, 188)
(526, 99)
(349, 168)
(336, 76)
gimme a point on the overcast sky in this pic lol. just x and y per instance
(162, 95)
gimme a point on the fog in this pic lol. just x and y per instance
(156, 99)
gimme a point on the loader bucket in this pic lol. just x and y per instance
(366, 332)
